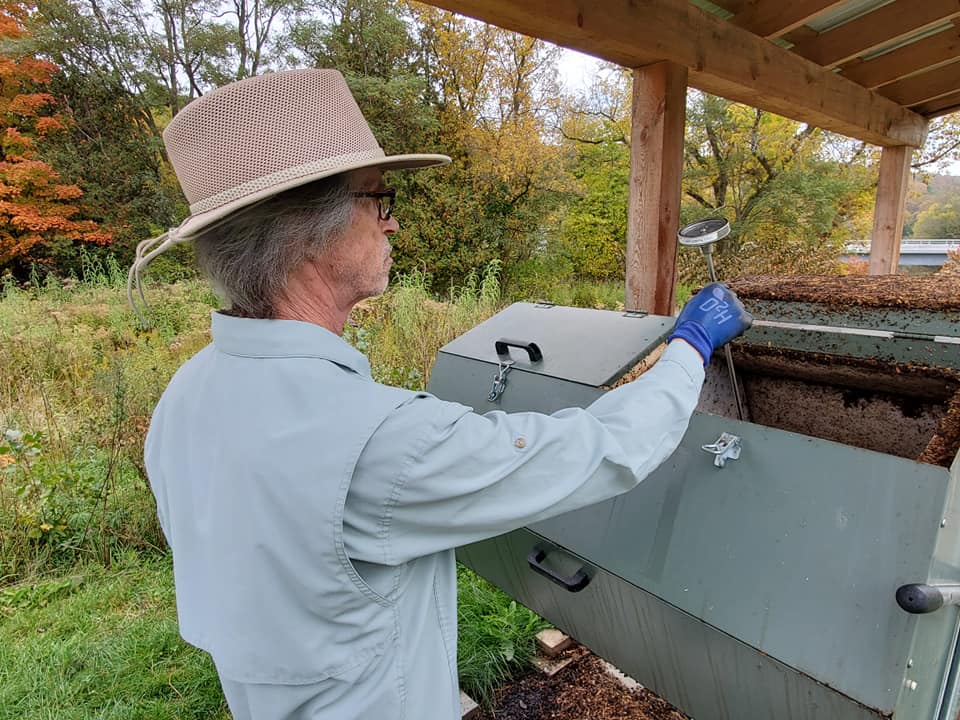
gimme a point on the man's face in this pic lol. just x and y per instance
(361, 258)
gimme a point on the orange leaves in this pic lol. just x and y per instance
(35, 207)
(47, 125)
(29, 104)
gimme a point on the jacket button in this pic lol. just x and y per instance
(520, 443)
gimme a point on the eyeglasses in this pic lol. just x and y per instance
(384, 200)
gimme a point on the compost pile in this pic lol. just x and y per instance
(937, 292)
(583, 690)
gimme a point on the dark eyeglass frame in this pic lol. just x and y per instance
(385, 200)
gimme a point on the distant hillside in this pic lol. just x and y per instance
(923, 194)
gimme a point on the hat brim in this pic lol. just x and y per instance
(198, 222)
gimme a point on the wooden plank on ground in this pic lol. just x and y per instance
(656, 164)
(884, 26)
(889, 210)
(722, 59)
(926, 54)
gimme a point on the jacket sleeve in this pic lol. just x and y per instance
(436, 475)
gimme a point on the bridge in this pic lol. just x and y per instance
(913, 251)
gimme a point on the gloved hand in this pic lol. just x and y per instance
(710, 319)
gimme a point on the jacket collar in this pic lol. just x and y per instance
(283, 339)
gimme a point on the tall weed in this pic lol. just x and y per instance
(402, 331)
(79, 381)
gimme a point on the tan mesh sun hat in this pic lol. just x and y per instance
(252, 139)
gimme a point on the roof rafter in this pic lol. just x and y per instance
(723, 59)
(926, 54)
(926, 86)
(772, 18)
(884, 26)
(941, 106)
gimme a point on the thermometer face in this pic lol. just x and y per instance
(704, 232)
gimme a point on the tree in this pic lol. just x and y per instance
(494, 93)
(37, 211)
(596, 127)
(940, 220)
(952, 265)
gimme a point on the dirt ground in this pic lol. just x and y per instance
(583, 690)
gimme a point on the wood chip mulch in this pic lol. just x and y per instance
(945, 443)
(583, 690)
(939, 291)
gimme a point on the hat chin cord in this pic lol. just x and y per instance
(147, 250)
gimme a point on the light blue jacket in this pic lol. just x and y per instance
(311, 511)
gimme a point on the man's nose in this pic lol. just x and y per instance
(391, 225)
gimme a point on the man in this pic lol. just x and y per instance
(311, 512)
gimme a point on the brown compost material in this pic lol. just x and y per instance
(945, 444)
(583, 690)
(937, 292)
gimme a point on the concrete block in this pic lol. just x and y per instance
(468, 708)
(552, 642)
(551, 666)
(628, 682)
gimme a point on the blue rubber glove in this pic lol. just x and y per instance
(710, 319)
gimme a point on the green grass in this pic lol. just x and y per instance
(102, 644)
(496, 636)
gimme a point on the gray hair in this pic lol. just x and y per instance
(249, 256)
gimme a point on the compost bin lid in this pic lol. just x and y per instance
(592, 347)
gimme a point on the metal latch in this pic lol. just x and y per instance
(500, 380)
(727, 447)
(502, 348)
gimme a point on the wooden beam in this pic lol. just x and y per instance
(773, 18)
(941, 106)
(656, 164)
(926, 54)
(889, 210)
(925, 86)
(722, 59)
(884, 26)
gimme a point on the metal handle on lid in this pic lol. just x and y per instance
(575, 583)
(533, 350)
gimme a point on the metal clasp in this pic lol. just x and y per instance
(500, 380)
(727, 447)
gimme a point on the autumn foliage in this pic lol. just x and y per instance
(36, 209)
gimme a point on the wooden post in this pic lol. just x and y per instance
(656, 164)
(889, 209)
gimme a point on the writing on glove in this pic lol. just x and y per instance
(710, 319)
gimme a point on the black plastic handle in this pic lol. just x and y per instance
(575, 583)
(917, 598)
(533, 350)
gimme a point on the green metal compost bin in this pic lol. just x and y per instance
(759, 585)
